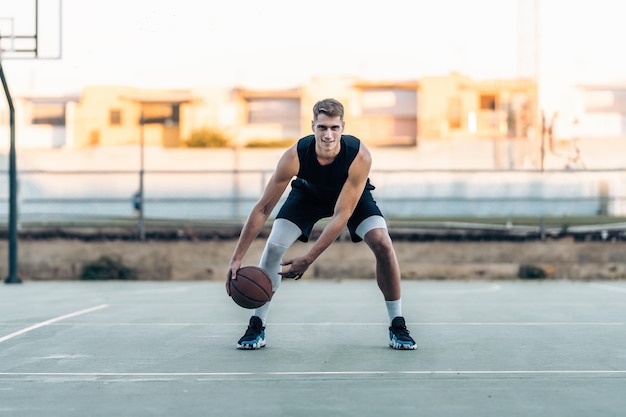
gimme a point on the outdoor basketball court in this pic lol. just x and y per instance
(168, 348)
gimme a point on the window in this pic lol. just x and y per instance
(162, 113)
(605, 101)
(273, 110)
(395, 102)
(284, 112)
(388, 116)
(454, 113)
(115, 117)
(175, 118)
(488, 102)
(48, 114)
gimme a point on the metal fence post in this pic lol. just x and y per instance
(141, 221)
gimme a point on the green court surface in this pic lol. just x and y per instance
(485, 348)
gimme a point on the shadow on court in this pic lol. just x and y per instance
(491, 348)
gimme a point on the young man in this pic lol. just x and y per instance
(331, 171)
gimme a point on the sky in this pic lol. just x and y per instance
(283, 43)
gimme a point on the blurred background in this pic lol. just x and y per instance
(505, 116)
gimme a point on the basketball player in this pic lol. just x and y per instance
(331, 171)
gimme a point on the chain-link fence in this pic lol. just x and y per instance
(507, 197)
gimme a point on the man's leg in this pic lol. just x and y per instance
(373, 231)
(284, 233)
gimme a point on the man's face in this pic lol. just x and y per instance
(327, 131)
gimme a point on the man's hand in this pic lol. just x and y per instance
(298, 267)
(232, 274)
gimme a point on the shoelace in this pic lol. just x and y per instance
(401, 332)
(253, 331)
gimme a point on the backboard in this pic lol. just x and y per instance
(31, 29)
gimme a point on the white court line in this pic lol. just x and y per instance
(51, 321)
(612, 323)
(316, 373)
(159, 291)
(612, 288)
(338, 324)
(513, 324)
(489, 288)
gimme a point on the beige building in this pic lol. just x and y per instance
(456, 106)
(110, 115)
(382, 113)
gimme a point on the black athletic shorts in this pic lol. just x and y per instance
(305, 210)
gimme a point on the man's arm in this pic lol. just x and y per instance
(346, 203)
(286, 169)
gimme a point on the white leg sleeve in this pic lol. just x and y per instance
(284, 233)
(370, 223)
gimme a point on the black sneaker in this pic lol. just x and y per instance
(399, 335)
(255, 335)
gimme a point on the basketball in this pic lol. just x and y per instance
(252, 288)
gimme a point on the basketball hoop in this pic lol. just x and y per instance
(31, 30)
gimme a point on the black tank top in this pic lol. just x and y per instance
(325, 181)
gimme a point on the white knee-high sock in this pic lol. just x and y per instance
(394, 309)
(261, 312)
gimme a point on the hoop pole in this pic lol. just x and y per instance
(13, 278)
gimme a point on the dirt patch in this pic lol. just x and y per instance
(63, 259)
